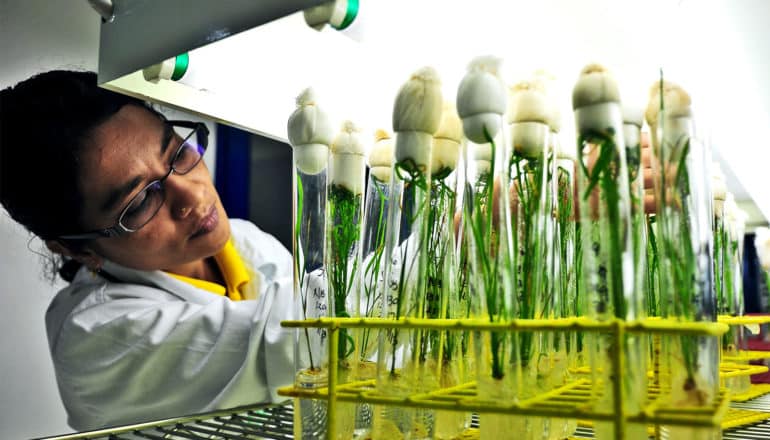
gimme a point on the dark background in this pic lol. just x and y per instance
(253, 177)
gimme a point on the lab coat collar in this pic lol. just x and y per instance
(159, 279)
(251, 244)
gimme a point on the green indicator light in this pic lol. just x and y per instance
(180, 66)
(350, 15)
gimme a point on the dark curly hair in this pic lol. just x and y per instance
(45, 122)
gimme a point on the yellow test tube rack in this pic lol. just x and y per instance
(574, 400)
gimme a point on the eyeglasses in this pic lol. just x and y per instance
(143, 206)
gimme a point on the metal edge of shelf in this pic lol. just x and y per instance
(122, 429)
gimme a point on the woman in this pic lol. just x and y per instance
(175, 309)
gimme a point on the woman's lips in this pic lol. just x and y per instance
(207, 223)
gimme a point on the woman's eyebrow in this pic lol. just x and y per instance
(124, 191)
(120, 194)
(168, 134)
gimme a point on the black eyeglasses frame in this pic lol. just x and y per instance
(201, 131)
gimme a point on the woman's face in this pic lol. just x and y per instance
(124, 155)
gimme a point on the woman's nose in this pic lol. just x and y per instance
(184, 195)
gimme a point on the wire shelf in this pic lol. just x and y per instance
(256, 422)
(744, 421)
(733, 418)
(755, 431)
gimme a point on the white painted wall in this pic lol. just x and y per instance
(35, 36)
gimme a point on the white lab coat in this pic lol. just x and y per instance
(152, 347)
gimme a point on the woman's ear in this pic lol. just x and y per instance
(85, 256)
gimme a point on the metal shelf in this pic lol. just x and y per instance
(255, 422)
(276, 422)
